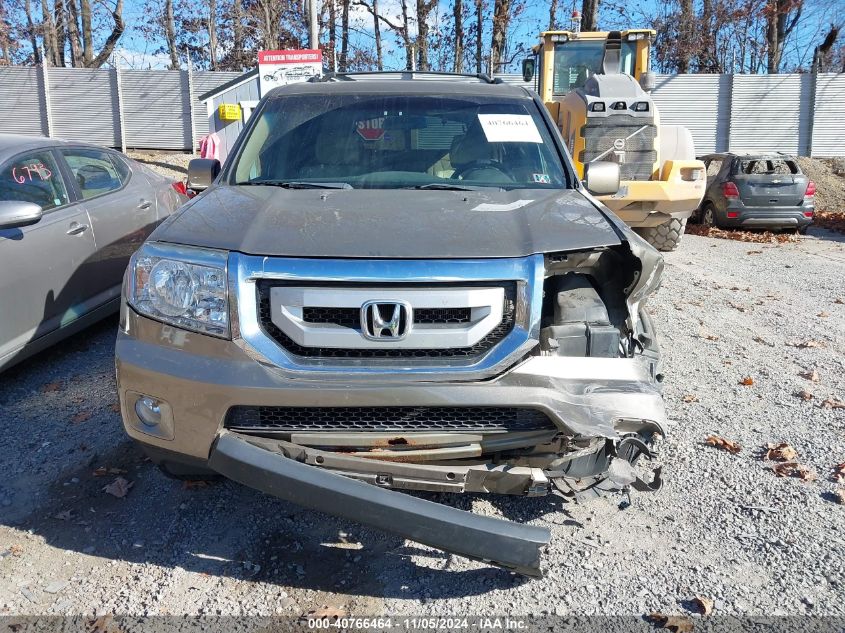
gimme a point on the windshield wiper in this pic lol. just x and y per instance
(299, 184)
(444, 186)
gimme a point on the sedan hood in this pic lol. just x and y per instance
(384, 223)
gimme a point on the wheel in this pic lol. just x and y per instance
(708, 215)
(664, 237)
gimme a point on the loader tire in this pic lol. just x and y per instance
(666, 236)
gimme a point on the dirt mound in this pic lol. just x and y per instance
(829, 176)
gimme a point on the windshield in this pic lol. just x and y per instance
(576, 61)
(399, 141)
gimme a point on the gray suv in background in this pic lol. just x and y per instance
(397, 282)
(756, 191)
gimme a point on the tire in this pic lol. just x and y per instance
(708, 216)
(664, 237)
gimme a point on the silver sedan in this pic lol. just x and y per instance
(70, 217)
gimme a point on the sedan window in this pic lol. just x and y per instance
(33, 177)
(94, 171)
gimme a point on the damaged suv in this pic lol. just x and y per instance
(397, 282)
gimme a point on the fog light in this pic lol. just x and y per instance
(148, 410)
(733, 214)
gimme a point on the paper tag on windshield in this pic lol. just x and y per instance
(509, 128)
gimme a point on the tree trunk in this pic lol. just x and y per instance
(778, 28)
(170, 34)
(72, 23)
(501, 18)
(423, 11)
(238, 34)
(48, 28)
(212, 33)
(479, 33)
(61, 33)
(87, 33)
(589, 15)
(553, 15)
(30, 29)
(344, 36)
(111, 41)
(406, 37)
(458, 13)
(333, 33)
(685, 36)
(377, 33)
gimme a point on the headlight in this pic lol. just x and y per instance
(181, 285)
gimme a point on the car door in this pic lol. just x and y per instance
(122, 207)
(42, 277)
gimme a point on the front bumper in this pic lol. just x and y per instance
(198, 378)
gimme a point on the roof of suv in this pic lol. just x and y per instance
(404, 83)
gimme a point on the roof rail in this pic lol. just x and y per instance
(404, 75)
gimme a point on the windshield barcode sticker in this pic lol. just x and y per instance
(509, 128)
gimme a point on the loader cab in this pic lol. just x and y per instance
(564, 60)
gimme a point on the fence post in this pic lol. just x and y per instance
(120, 118)
(191, 102)
(46, 79)
(814, 86)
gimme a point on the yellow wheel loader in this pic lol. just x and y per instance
(596, 86)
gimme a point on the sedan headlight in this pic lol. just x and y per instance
(181, 285)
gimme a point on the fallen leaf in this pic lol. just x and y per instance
(675, 623)
(839, 300)
(103, 624)
(838, 474)
(839, 495)
(325, 612)
(725, 445)
(690, 397)
(832, 403)
(119, 487)
(754, 252)
(805, 344)
(736, 306)
(704, 605)
(804, 394)
(794, 469)
(115, 406)
(762, 341)
(747, 381)
(704, 333)
(64, 515)
(782, 452)
(191, 484)
(16, 550)
(823, 314)
(82, 416)
(812, 376)
(102, 471)
(51, 386)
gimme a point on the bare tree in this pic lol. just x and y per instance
(479, 33)
(237, 34)
(553, 15)
(590, 15)
(72, 24)
(424, 8)
(685, 34)
(501, 19)
(170, 34)
(458, 16)
(87, 32)
(377, 36)
(30, 30)
(402, 30)
(782, 17)
(344, 36)
(48, 35)
(212, 33)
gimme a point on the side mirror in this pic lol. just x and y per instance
(202, 172)
(602, 178)
(648, 81)
(528, 66)
(17, 213)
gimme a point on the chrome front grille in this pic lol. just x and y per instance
(264, 419)
(637, 151)
(438, 321)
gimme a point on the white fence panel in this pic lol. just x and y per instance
(83, 105)
(829, 116)
(22, 101)
(156, 109)
(701, 103)
(771, 113)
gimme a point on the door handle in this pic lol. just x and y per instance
(145, 204)
(76, 229)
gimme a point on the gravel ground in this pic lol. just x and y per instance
(724, 526)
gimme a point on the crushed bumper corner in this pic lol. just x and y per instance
(254, 462)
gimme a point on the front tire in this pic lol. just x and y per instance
(708, 216)
(664, 237)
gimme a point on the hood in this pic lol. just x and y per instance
(388, 223)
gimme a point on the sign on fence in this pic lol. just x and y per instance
(280, 68)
